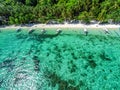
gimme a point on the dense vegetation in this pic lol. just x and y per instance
(41, 11)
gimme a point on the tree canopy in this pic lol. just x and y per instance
(40, 11)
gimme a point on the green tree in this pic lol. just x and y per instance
(31, 2)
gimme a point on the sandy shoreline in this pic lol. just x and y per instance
(64, 26)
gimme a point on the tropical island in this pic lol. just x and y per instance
(59, 44)
(43, 11)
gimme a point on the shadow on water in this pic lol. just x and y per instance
(21, 36)
(37, 37)
(42, 37)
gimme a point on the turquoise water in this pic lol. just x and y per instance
(69, 61)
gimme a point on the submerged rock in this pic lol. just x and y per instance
(62, 84)
(1, 81)
(92, 63)
(7, 63)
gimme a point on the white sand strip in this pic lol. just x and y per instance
(64, 26)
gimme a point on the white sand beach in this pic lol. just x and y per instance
(64, 26)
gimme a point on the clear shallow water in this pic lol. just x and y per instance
(70, 61)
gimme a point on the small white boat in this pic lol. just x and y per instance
(85, 31)
(58, 31)
(31, 31)
(43, 31)
(19, 30)
(106, 30)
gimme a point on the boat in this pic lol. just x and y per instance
(43, 31)
(85, 31)
(18, 30)
(58, 31)
(31, 31)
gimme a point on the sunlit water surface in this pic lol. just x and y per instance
(69, 61)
